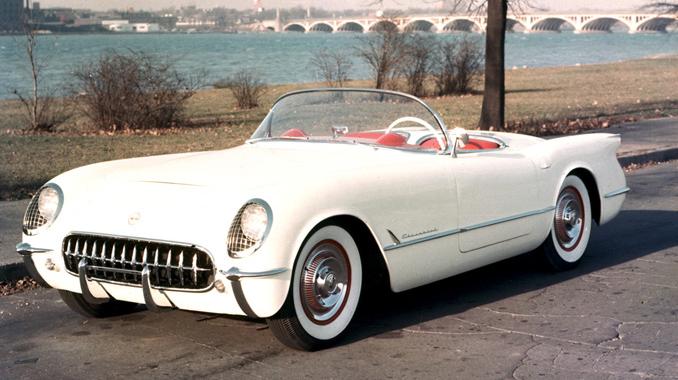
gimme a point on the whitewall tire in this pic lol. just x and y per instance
(324, 291)
(571, 225)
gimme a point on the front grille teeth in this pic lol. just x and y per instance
(171, 265)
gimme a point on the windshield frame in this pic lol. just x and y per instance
(266, 122)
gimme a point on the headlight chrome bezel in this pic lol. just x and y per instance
(32, 223)
(238, 244)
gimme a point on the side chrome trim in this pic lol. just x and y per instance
(468, 228)
(621, 191)
(422, 239)
(234, 274)
(25, 249)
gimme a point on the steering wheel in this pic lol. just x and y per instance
(424, 123)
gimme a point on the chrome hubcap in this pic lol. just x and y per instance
(569, 218)
(325, 282)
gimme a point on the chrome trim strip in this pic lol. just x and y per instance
(421, 239)
(235, 274)
(468, 228)
(507, 219)
(25, 249)
(621, 191)
(84, 287)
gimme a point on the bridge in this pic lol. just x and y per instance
(579, 23)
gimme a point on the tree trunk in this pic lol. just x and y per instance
(492, 113)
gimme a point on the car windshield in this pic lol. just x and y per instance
(355, 116)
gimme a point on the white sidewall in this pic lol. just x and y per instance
(336, 327)
(576, 254)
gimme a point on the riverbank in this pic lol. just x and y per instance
(538, 101)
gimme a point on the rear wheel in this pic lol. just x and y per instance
(571, 228)
(111, 308)
(324, 291)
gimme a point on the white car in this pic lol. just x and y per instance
(335, 189)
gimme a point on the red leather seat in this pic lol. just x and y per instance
(294, 133)
(430, 143)
(391, 139)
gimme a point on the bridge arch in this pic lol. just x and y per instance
(419, 25)
(321, 27)
(515, 25)
(351, 26)
(656, 24)
(382, 25)
(294, 27)
(605, 24)
(462, 25)
(552, 24)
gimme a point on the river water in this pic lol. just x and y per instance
(284, 57)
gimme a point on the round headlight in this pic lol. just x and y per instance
(253, 221)
(249, 228)
(43, 209)
(48, 203)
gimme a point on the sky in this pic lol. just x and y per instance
(553, 5)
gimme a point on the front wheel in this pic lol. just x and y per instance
(571, 227)
(324, 291)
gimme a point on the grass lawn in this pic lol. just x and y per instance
(640, 88)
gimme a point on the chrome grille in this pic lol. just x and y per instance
(171, 265)
(237, 241)
(32, 218)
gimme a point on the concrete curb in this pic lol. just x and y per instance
(15, 271)
(655, 155)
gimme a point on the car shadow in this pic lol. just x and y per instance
(632, 235)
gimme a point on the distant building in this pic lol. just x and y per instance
(11, 14)
(125, 26)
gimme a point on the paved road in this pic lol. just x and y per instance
(11, 214)
(616, 315)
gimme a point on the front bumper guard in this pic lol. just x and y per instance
(235, 275)
(145, 284)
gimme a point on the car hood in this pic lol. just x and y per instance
(255, 165)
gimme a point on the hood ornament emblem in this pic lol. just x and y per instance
(133, 218)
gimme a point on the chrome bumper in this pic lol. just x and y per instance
(234, 275)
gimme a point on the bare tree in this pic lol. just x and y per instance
(332, 66)
(458, 64)
(247, 88)
(382, 52)
(417, 62)
(43, 113)
(133, 91)
(492, 113)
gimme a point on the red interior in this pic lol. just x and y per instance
(396, 140)
(294, 133)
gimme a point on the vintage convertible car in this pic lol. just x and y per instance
(336, 188)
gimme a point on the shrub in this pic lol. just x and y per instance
(459, 64)
(331, 66)
(383, 53)
(247, 88)
(133, 91)
(417, 62)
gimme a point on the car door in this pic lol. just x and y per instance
(495, 190)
